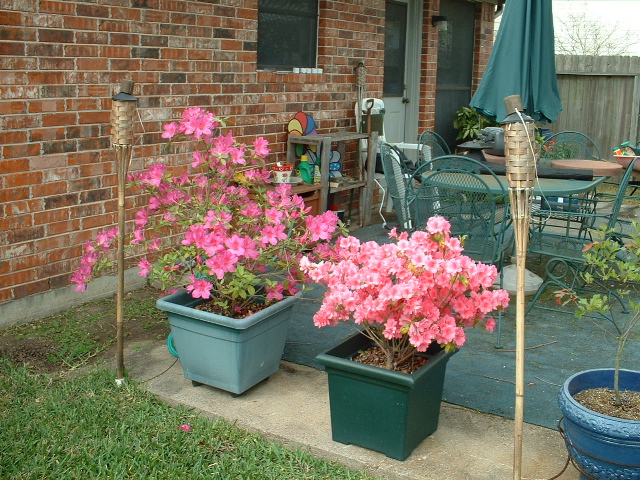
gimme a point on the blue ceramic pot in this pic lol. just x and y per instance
(600, 446)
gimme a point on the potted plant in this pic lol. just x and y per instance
(601, 407)
(468, 121)
(226, 246)
(411, 300)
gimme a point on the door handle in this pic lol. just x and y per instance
(405, 99)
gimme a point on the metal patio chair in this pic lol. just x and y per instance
(570, 144)
(431, 145)
(564, 244)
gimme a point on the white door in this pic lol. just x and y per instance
(402, 69)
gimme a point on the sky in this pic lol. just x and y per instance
(624, 15)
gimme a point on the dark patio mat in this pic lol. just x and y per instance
(480, 376)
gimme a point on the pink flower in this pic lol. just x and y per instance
(170, 130)
(145, 267)
(185, 428)
(260, 147)
(142, 218)
(154, 174)
(199, 288)
(216, 223)
(420, 288)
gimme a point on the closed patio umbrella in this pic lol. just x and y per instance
(522, 62)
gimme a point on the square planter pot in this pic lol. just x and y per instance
(390, 412)
(223, 352)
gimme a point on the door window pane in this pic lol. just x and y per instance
(287, 33)
(394, 48)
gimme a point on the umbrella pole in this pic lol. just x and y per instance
(122, 113)
(521, 175)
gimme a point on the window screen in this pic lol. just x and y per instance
(287, 33)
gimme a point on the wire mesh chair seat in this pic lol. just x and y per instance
(564, 244)
(430, 146)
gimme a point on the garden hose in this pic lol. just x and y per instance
(171, 347)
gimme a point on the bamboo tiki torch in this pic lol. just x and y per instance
(122, 112)
(518, 140)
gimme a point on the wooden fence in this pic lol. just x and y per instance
(600, 97)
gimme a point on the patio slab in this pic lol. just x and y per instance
(292, 407)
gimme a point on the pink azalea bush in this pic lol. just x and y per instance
(409, 293)
(217, 230)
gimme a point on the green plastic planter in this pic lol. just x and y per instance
(223, 352)
(382, 410)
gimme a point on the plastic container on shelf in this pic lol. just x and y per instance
(305, 170)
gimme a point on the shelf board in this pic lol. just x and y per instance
(348, 186)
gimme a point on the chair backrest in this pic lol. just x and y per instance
(614, 222)
(431, 145)
(396, 177)
(570, 144)
(476, 204)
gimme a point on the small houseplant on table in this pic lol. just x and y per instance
(225, 246)
(601, 407)
(411, 299)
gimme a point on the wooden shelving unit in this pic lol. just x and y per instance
(364, 170)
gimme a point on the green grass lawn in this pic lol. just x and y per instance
(85, 427)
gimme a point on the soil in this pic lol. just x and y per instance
(20, 348)
(375, 356)
(602, 400)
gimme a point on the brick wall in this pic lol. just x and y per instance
(61, 61)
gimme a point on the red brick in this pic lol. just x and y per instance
(19, 33)
(94, 117)
(12, 48)
(5, 294)
(57, 63)
(81, 50)
(92, 63)
(100, 38)
(21, 150)
(73, 22)
(84, 10)
(12, 107)
(13, 78)
(18, 278)
(56, 119)
(62, 7)
(113, 26)
(24, 262)
(31, 288)
(13, 194)
(46, 78)
(49, 190)
(55, 35)
(63, 227)
(11, 18)
(24, 206)
(12, 136)
(102, 221)
(131, 15)
(50, 105)
(22, 179)
(45, 134)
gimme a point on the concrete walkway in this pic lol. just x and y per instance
(292, 407)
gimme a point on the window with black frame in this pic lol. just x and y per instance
(287, 34)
